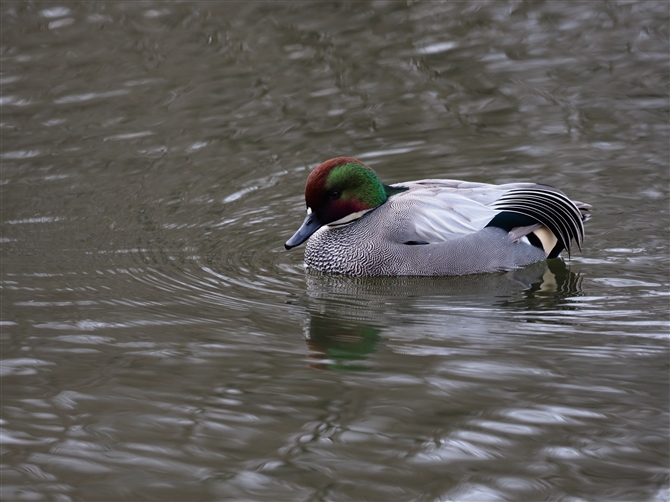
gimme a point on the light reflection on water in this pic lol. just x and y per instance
(159, 342)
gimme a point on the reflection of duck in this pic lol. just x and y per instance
(340, 345)
(346, 315)
(557, 284)
(358, 226)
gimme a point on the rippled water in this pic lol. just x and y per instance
(159, 343)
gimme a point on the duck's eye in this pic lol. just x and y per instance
(334, 194)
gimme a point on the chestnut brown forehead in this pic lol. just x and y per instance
(316, 181)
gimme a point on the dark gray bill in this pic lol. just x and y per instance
(308, 227)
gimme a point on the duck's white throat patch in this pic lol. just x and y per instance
(349, 218)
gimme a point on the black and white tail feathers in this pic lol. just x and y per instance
(524, 211)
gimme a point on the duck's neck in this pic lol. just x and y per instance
(390, 191)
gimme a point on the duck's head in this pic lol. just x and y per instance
(337, 192)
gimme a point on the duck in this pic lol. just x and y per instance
(358, 226)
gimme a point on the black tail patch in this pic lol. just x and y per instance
(545, 205)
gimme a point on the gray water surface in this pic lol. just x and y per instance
(159, 343)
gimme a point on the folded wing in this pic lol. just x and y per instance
(434, 211)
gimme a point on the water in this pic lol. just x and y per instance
(159, 343)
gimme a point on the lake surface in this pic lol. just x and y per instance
(158, 342)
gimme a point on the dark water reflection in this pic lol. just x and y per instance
(159, 343)
(346, 315)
